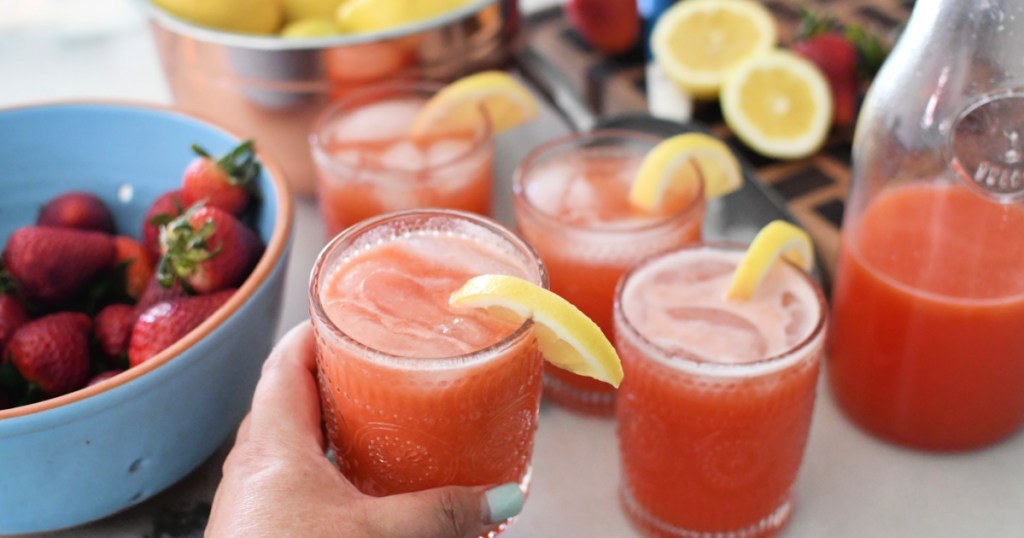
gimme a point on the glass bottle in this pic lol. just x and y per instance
(928, 304)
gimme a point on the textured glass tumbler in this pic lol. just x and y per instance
(711, 448)
(399, 424)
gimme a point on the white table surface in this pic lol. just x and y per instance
(851, 485)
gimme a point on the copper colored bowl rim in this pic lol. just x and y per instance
(273, 253)
(275, 43)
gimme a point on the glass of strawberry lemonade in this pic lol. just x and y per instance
(572, 204)
(369, 162)
(716, 401)
(417, 393)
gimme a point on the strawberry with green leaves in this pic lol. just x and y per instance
(167, 207)
(222, 182)
(207, 249)
(843, 57)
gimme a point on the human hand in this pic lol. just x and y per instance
(278, 482)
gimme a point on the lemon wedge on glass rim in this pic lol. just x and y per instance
(778, 239)
(566, 337)
(507, 102)
(672, 170)
(697, 42)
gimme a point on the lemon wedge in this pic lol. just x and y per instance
(675, 167)
(565, 336)
(697, 42)
(779, 104)
(358, 16)
(777, 239)
(507, 102)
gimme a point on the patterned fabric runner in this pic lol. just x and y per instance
(815, 187)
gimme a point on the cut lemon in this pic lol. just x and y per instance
(697, 42)
(458, 105)
(777, 239)
(779, 104)
(566, 337)
(665, 172)
(358, 16)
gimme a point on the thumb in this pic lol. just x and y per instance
(448, 512)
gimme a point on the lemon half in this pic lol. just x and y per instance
(779, 104)
(565, 336)
(668, 171)
(697, 42)
(778, 239)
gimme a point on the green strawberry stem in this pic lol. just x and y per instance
(239, 164)
(871, 53)
(185, 248)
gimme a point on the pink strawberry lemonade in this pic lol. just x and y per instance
(715, 406)
(368, 164)
(415, 393)
(572, 204)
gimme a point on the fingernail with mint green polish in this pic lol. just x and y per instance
(503, 502)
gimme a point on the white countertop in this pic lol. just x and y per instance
(851, 485)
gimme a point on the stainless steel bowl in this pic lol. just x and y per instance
(272, 88)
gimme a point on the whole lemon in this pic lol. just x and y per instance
(245, 16)
(314, 27)
(296, 10)
(376, 15)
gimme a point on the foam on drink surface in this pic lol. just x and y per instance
(589, 187)
(678, 303)
(392, 294)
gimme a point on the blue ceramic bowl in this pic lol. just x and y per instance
(93, 452)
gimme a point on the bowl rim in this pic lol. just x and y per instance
(272, 254)
(181, 26)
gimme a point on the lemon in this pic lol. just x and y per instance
(245, 16)
(297, 10)
(777, 239)
(458, 105)
(779, 104)
(376, 15)
(697, 42)
(310, 28)
(565, 336)
(667, 171)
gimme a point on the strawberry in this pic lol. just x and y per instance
(78, 210)
(53, 351)
(112, 328)
(610, 26)
(138, 264)
(207, 249)
(837, 59)
(842, 57)
(222, 182)
(12, 316)
(103, 376)
(164, 209)
(155, 293)
(165, 323)
(53, 265)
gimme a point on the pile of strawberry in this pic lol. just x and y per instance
(80, 303)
